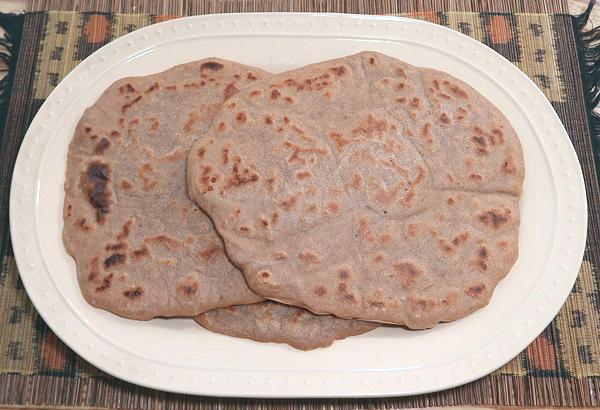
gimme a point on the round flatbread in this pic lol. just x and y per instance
(366, 188)
(274, 322)
(141, 247)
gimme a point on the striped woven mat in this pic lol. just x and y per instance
(560, 368)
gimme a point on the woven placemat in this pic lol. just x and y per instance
(560, 368)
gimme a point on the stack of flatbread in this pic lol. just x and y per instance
(298, 208)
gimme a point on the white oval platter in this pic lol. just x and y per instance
(177, 355)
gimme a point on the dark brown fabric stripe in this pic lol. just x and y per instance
(12, 25)
(193, 7)
(588, 43)
(20, 113)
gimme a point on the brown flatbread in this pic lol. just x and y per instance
(366, 188)
(142, 248)
(273, 322)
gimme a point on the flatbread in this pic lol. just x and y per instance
(141, 247)
(273, 322)
(366, 188)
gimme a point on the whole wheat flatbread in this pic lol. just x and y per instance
(273, 322)
(142, 248)
(364, 187)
